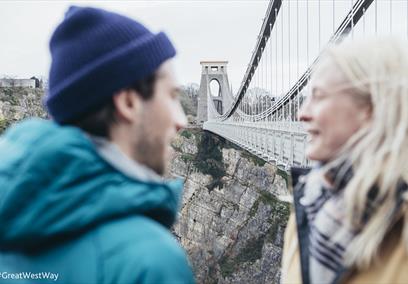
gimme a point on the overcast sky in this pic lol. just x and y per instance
(200, 30)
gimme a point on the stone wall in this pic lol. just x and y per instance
(24, 83)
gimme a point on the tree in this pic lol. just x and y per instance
(189, 98)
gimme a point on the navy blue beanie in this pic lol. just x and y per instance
(96, 53)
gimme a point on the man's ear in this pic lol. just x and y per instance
(127, 103)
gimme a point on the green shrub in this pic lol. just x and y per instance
(187, 157)
(185, 133)
(284, 174)
(227, 266)
(265, 197)
(4, 124)
(249, 254)
(252, 250)
(256, 160)
(209, 158)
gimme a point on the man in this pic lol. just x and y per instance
(82, 200)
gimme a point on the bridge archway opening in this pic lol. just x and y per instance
(218, 106)
(215, 88)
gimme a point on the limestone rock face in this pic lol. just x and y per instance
(233, 231)
(19, 103)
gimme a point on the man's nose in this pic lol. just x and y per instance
(180, 118)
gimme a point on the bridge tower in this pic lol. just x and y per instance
(213, 74)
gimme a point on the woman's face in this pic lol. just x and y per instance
(331, 113)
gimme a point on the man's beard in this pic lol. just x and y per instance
(150, 151)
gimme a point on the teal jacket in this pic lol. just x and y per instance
(66, 211)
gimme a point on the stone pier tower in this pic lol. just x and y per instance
(213, 73)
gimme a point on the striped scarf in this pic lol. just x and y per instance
(329, 235)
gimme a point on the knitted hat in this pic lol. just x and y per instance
(96, 53)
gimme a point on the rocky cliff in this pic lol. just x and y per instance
(19, 103)
(233, 217)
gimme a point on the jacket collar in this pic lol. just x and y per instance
(111, 153)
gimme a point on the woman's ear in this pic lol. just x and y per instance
(366, 114)
(127, 104)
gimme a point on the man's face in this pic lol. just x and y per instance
(157, 122)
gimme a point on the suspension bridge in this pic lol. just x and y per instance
(262, 116)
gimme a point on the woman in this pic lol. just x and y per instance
(350, 223)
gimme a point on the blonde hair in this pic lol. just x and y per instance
(377, 70)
